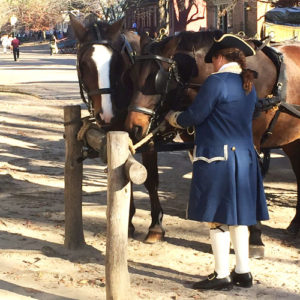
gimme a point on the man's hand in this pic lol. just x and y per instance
(171, 117)
(168, 115)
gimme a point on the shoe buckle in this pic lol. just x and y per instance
(211, 276)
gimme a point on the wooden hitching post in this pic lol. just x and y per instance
(74, 238)
(118, 199)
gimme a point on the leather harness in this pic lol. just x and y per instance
(277, 99)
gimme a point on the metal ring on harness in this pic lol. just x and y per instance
(190, 130)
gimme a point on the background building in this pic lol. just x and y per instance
(227, 15)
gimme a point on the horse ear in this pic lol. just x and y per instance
(171, 46)
(79, 30)
(116, 28)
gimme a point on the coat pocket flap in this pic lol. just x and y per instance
(210, 154)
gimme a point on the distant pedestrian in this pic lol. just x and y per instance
(5, 43)
(60, 35)
(53, 45)
(15, 45)
(39, 36)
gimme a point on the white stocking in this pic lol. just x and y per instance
(220, 242)
(240, 240)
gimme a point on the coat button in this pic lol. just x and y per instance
(233, 148)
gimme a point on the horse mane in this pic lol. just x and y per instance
(103, 27)
(191, 40)
(154, 46)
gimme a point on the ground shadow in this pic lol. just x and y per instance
(27, 291)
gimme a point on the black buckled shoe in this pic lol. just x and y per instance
(244, 280)
(214, 283)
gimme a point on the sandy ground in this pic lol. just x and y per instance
(34, 263)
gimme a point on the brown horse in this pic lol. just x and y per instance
(104, 58)
(104, 61)
(285, 131)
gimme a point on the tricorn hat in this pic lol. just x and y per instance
(228, 41)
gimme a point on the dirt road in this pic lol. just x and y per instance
(34, 263)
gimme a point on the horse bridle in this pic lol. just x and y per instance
(126, 48)
(162, 75)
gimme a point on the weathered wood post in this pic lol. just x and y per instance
(117, 214)
(122, 168)
(74, 237)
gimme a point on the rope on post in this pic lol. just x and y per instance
(160, 127)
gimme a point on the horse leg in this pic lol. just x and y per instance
(156, 232)
(266, 162)
(292, 150)
(131, 228)
(256, 245)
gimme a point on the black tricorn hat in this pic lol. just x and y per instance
(228, 41)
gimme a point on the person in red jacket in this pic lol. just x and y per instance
(15, 44)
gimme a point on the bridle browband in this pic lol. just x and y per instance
(126, 48)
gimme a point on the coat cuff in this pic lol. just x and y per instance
(173, 119)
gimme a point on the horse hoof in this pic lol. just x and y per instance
(293, 228)
(154, 237)
(256, 251)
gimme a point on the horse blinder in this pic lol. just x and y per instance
(156, 83)
(165, 81)
(161, 81)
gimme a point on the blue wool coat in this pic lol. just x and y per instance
(226, 185)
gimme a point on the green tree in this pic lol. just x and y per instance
(33, 14)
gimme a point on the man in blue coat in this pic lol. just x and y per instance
(226, 189)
